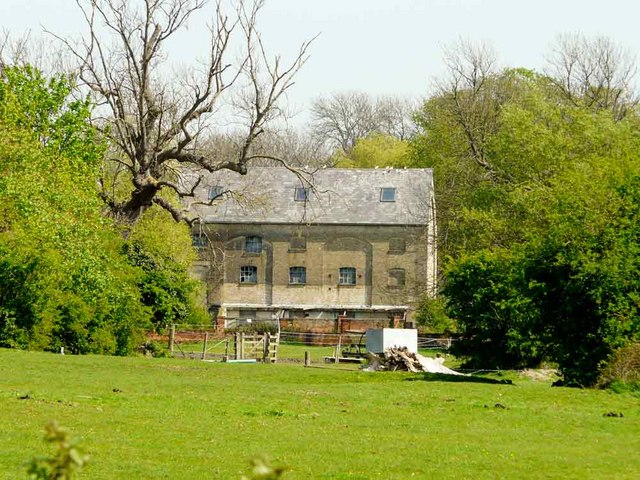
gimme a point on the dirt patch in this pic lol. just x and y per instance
(540, 374)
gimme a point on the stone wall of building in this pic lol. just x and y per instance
(390, 262)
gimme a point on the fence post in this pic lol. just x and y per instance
(242, 346)
(172, 338)
(266, 347)
(338, 347)
(204, 346)
(236, 346)
(275, 348)
(307, 359)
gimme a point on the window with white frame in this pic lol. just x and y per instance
(253, 244)
(387, 194)
(297, 275)
(248, 274)
(347, 276)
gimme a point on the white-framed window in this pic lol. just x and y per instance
(215, 192)
(248, 274)
(388, 194)
(347, 276)
(253, 244)
(301, 194)
(297, 275)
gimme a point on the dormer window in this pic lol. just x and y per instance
(387, 194)
(301, 194)
(215, 192)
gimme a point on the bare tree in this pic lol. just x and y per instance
(473, 98)
(395, 116)
(23, 50)
(340, 119)
(300, 149)
(155, 124)
(595, 73)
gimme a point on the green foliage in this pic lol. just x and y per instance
(376, 150)
(537, 217)
(68, 277)
(623, 369)
(162, 249)
(569, 294)
(65, 281)
(487, 295)
(432, 315)
(42, 108)
(67, 459)
(166, 287)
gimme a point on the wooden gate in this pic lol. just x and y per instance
(261, 346)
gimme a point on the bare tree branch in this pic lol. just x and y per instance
(475, 93)
(340, 119)
(595, 73)
(156, 124)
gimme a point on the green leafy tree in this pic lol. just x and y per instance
(375, 150)
(569, 291)
(162, 250)
(536, 224)
(65, 280)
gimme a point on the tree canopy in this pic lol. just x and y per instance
(66, 278)
(535, 188)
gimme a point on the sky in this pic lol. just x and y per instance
(383, 47)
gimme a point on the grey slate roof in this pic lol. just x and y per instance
(337, 196)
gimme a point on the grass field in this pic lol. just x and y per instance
(173, 419)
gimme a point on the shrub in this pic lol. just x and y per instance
(254, 327)
(622, 372)
(487, 295)
(431, 315)
(166, 286)
(66, 460)
(155, 349)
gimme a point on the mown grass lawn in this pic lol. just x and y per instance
(174, 419)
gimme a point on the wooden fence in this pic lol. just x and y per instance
(207, 344)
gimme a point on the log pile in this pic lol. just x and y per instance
(394, 359)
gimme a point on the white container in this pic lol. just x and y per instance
(379, 339)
